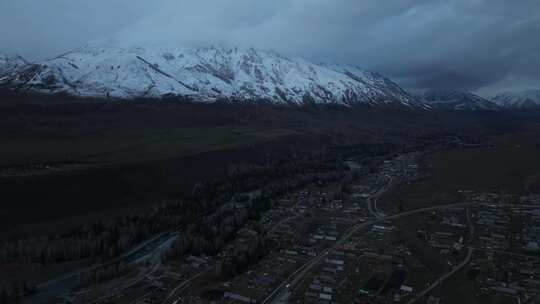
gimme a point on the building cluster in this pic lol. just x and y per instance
(506, 260)
(373, 265)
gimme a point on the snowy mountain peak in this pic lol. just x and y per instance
(10, 62)
(204, 74)
(457, 100)
(521, 99)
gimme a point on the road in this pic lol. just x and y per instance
(444, 277)
(291, 210)
(172, 296)
(67, 282)
(149, 249)
(461, 265)
(291, 281)
(470, 223)
(372, 200)
(521, 255)
(125, 285)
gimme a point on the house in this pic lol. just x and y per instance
(324, 296)
(237, 297)
(406, 289)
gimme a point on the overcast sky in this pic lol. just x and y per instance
(480, 45)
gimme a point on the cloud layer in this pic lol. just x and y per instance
(482, 45)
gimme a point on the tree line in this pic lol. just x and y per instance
(206, 218)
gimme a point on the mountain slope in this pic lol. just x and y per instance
(204, 74)
(457, 100)
(9, 63)
(518, 100)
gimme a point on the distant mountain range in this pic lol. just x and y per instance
(457, 100)
(227, 74)
(203, 74)
(520, 100)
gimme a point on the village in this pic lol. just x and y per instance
(330, 243)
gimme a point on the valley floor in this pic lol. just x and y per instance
(107, 203)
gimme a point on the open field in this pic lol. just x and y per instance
(72, 161)
(128, 145)
(506, 165)
(95, 164)
(460, 288)
(145, 168)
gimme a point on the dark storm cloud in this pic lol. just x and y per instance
(468, 44)
(43, 28)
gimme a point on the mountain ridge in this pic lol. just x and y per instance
(206, 74)
(518, 99)
(457, 100)
(10, 62)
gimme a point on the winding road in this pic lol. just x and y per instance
(292, 280)
(444, 277)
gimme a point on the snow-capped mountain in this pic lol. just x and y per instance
(457, 100)
(9, 63)
(205, 74)
(518, 100)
